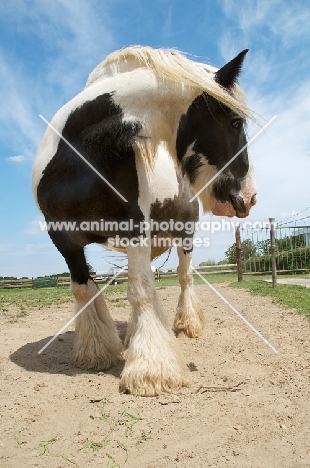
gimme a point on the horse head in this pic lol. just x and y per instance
(212, 149)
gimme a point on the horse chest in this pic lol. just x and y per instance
(164, 179)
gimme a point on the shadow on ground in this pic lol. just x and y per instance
(57, 357)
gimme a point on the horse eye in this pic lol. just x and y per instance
(237, 124)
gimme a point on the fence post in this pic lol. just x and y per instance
(273, 252)
(239, 253)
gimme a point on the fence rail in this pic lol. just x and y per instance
(277, 249)
(64, 281)
(171, 273)
(17, 283)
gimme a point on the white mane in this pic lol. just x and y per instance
(171, 65)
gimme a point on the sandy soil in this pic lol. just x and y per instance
(246, 406)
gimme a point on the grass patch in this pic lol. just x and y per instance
(28, 298)
(24, 299)
(17, 303)
(293, 296)
(44, 446)
(119, 427)
(211, 278)
(288, 295)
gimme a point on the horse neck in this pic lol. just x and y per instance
(157, 103)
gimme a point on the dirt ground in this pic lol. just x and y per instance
(245, 407)
(299, 281)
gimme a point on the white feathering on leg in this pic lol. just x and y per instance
(97, 344)
(189, 318)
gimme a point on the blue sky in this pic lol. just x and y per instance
(48, 48)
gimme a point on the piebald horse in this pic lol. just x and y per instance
(158, 127)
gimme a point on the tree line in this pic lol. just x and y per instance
(291, 252)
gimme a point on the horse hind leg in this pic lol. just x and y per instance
(96, 342)
(189, 318)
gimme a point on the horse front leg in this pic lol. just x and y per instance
(189, 318)
(153, 363)
(96, 341)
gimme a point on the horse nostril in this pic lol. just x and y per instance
(253, 200)
(237, 202)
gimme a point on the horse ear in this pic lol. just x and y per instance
(228, 74)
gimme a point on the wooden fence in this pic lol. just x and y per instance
(61, 281)
(273, 250)
(217, 269)
(65, 280)
(17, 283)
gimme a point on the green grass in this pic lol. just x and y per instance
(24, 300)
(211, 278)
(288, 295)
(121, 426)
(44, 446)
(305, 275)
(17, 303)
(34, 297)
(44, 297)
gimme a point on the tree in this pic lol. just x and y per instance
(291, 242)
(230, 254)
(263, 247)
(248, 248)
(208, 263)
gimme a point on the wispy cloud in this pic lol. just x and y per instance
(271, 30)
(16, 159)
(288, 21)
(30, 259)
(16, 111)
(33, 227)
(281, 155)
(76, 36)
(74, 39)
(27, 249)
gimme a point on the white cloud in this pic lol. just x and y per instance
(13, 249)
(75, 38)
(16, 112)
(4, 247)
(271, 30)
(281, 155)
(33, 227)
(75, 35)
(19, 158)
(30, 259)
(288, 21)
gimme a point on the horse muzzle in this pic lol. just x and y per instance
(238, 205)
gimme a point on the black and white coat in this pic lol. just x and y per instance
(157, 140)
